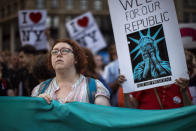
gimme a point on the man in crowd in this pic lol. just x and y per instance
(26, 80)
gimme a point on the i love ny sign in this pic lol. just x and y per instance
(84, 30)
(32, 25)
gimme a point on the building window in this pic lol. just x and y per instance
(189, 3)
(98, 4)
(192, 3)
(186, 17)
(69, 4)
(193, 17)
(56, 22)
(2, 12)
(54, 3)
(67, 19)
(48, 21)
(40, 4)
(8, 10)
(15, 6)
(52, 21)
(83, 4)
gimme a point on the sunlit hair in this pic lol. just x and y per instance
(79, 55)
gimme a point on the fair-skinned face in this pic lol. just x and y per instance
(63, 61)
(98, 61)
(24, 59)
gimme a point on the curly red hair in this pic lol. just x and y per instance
(79, 55)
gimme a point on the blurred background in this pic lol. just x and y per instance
(61, 11)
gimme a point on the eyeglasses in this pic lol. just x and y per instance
(63, 51)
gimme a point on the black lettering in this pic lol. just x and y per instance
(134, 26)
(139, 22)
(81, 41)
(148, 1)
(145, 21)
(127, 28)
(92, 36)
(74, 27)
(137, 3)
(157, 21)
(26, 35)
(157, 4)
(144, 10)
(128, 2)
(24, 17)
(151, 8)
(165, 18)
(151, 20)
(38, 34)
(136, 12)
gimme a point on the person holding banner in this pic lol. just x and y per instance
(191, 65)
(68, 61)
(166, 97)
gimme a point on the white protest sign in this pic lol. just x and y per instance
(32, 26)
(148, 42)
(85, 31)
(188, 33)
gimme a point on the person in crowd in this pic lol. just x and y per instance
(6, 89)
(5, 59)
(110, 75)
(191, 65)
(165, 97)
(99, 64)
(90, 69)
(68, 61)
(26, 79)
(14, 69)
(41, 70)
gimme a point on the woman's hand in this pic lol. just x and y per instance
(182, 83)
(121, 79)
(46, 97)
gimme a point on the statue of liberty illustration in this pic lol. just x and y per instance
(152, 66)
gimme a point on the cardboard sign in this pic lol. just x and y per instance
(148, 42)
(32, 26)
(85, 32)
(188, 33)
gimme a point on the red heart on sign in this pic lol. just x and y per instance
(83, 22)
(35, 17)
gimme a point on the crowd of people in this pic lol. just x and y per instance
(63, 73)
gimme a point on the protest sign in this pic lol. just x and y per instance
(86, 33)
(188, 33)
(32, 26)
(148, 42)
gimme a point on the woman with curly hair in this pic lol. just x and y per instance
(68, 61)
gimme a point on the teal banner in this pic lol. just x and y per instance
(34, 114)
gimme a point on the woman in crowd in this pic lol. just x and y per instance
(99, 64)
(68, 61)
(90, 69)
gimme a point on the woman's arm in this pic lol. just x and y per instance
(183, 84)
(102, 100)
